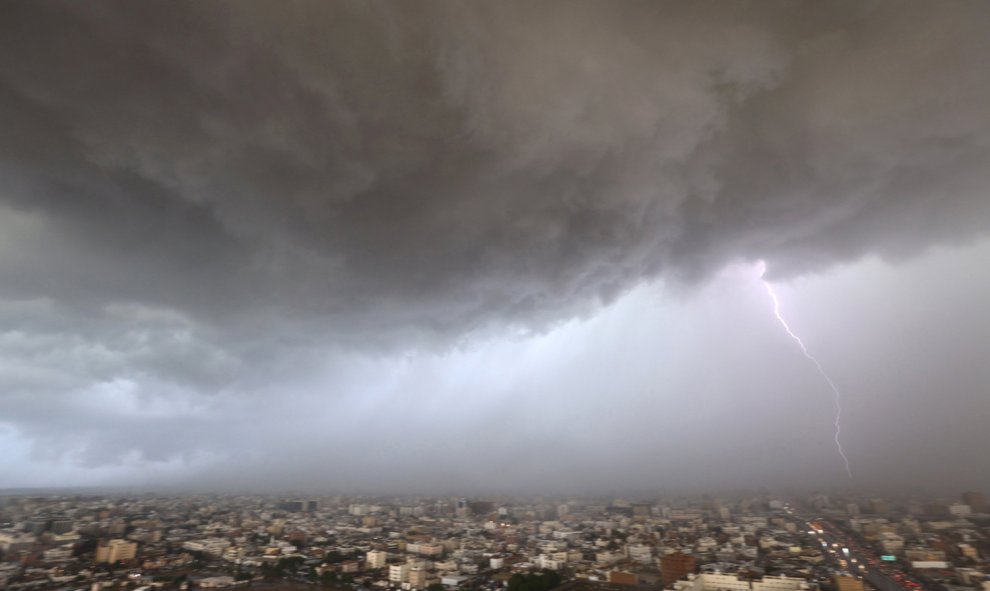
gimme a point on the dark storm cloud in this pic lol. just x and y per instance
(437, 166)
(201, 201)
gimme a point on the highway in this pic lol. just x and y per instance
(846, 554)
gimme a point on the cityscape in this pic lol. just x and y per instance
(495, 295)
(746, 542)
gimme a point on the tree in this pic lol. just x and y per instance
(544, 581)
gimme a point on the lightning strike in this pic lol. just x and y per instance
(814, 360)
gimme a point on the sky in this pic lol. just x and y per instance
(493, 247)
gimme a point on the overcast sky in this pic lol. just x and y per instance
(493, 246)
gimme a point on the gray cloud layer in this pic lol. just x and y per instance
(438, 166)
(204, 197)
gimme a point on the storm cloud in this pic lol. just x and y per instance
(203, 202)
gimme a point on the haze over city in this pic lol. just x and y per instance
(499, 247)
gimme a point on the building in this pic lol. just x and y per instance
(211, 546)
(216, 582)
(968, 551)
(960, 510)
(892, 543)
(115, 551)
(63, 553)
(398, 573)
(425, 549)
(14, 541)
(641, 509)
(350, 566)
(923, 554)
(481, 507)
(731, 582)
(608, 557)
(846, 583)
(62, 526)
(376, 559)
(417, 577)
(676, 566)
(640, 553)
(453, 580)
(544, 561)
(976, 501)
(617, 577)
(293, 506)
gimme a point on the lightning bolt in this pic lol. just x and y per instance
(818, 366)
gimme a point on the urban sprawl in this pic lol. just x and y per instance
(746, 543)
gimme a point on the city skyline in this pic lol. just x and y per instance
(739, 542)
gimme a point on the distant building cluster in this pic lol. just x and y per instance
(745, 543)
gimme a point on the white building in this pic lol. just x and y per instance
(731, 582)
(398, 573)
(58, 554)
(546, 562)
(608, 558)
(640, 553)
(216, 582)
(425, 549)
(417, 577)
(211, 546)
(569, 536)
(892, 543)
(376, 559)
(960, 510)
(10, 539)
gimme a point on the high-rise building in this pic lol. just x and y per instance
(674, 567)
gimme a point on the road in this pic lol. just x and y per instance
(847, 554)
